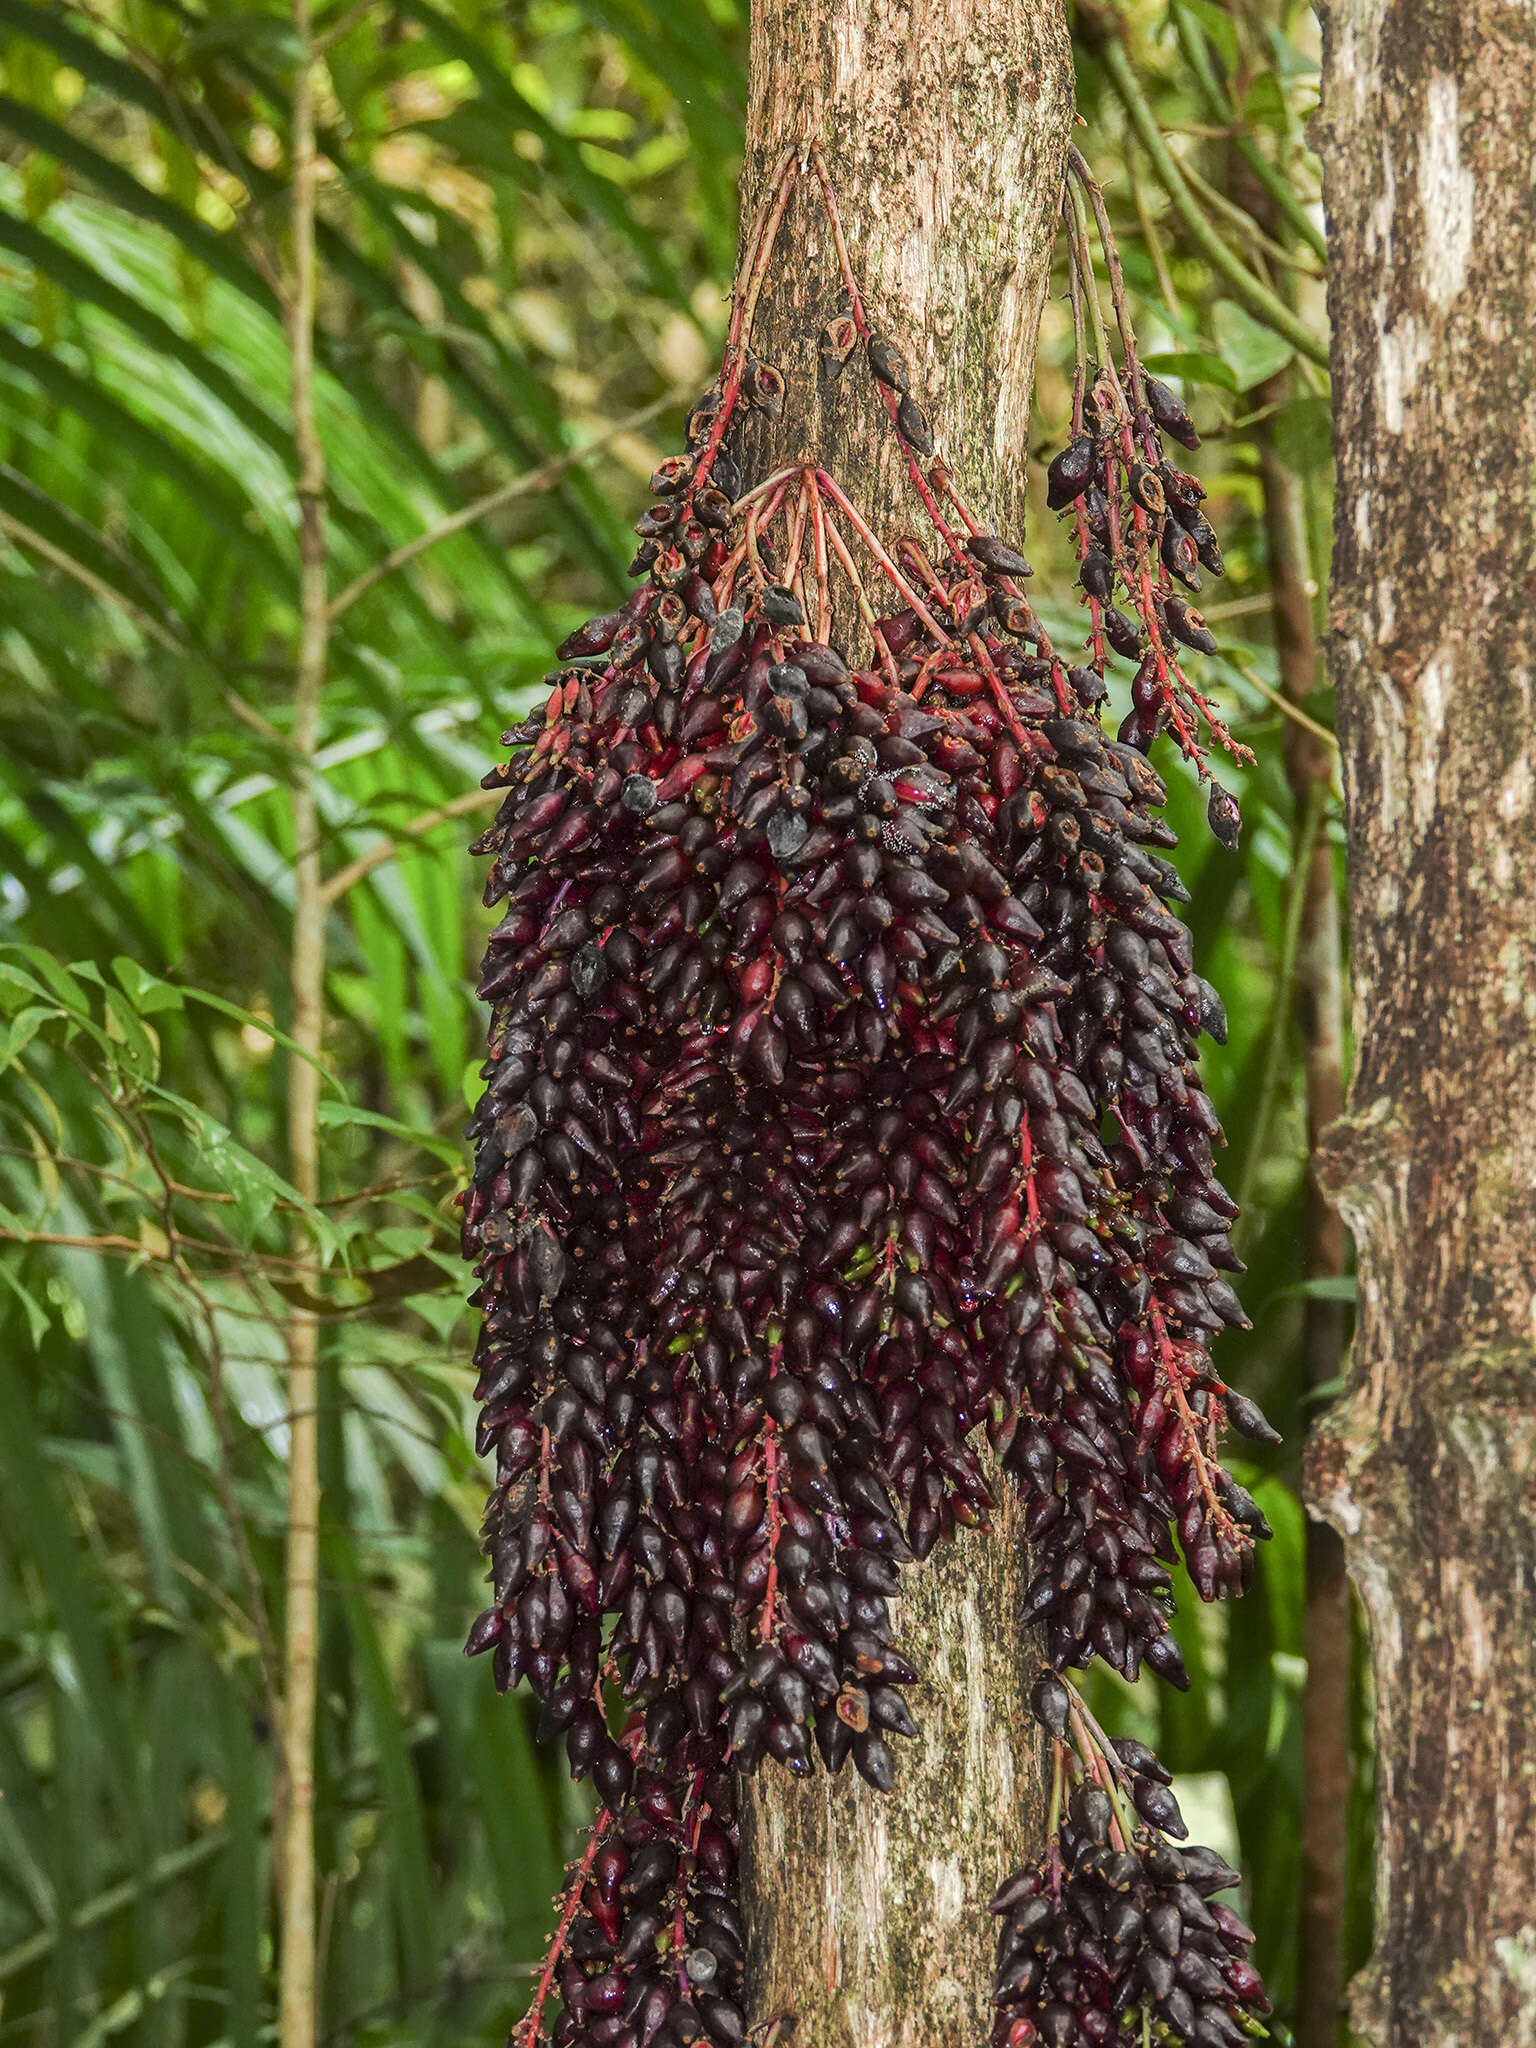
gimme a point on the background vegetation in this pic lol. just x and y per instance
(527, 216)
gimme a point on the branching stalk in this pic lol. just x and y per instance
(1256, 295)
(344, 879)
(1197, 55)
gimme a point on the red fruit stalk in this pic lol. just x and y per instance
(822, 968)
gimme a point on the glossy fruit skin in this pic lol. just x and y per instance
(1115, 1927)
(789, 1176)
(819, 978)
(1070, 473)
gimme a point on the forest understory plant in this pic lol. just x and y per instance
(842, 1104)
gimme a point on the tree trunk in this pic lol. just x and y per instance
(1327, 1625)
(1326, 1629)
(944, 127)
(1429, 1470)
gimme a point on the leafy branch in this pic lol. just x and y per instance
(1104, 31)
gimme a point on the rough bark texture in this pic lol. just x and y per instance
(1429, 1473)
(945, 126)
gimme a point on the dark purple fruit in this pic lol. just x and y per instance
(1249, 1419)
(1050, 1704)
(1097, 575)
(1168, 411)
(1226, 820)
(1179, 555)
(912, 425)
(997, 555)
(888, 364)
(1070, 473)
(1189, 626)
(842, 1102)
(1121, 633)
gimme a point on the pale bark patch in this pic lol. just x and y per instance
(1435, 682)
(1447, 192)
(1405, 349)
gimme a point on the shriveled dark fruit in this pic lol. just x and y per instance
(997, 555)
(1140, 530)
(1168, 411)
(1203, 535)
(1225, 817)
(839, 339)
(1179, 555)
(1123, 634)
(1070, 473)
(1189, 626)
(888, 364)
(912, 425)
(1108, 1938)
(764, 388)
(781, 607)
(1146, 488)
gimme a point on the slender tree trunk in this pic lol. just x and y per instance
(1327, 1625)
(945, 127)
(1429, 1469)
(301, 1629)
(1327, 1630)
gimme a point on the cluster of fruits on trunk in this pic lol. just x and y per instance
(843, 1118)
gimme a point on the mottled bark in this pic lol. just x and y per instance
(944, 126)
(1429, 1470)
(868, 1914)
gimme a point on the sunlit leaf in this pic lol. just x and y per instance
(1251, 350)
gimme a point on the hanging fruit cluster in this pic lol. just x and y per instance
(823, 972)
(1116, 1933)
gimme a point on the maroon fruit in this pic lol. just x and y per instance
(842, 1100)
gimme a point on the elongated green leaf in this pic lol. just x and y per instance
(38, 1527)
(244, 1872)
(84, 284)
(409, 1866)
(203, 243)
(100, 558)
(598, 197)
(335, 1114)
(226, 514)
(124, 1349)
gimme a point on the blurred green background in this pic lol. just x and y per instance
(528, 216)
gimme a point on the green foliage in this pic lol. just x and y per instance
(528, 215)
